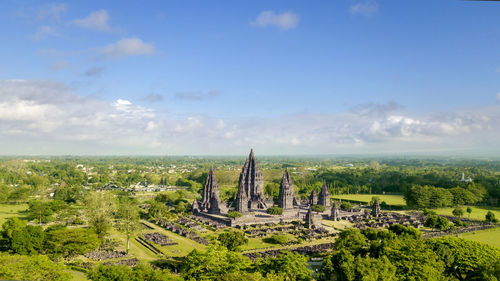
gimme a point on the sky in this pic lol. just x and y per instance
(221, 77)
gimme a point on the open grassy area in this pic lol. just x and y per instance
(11, 210)
(478, 212)
(395, 200)
(78, 276)
(487, 236)
(184, 246)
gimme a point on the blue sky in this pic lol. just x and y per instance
(218, 77)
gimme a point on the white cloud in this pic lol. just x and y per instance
(365, 8)
(43, 32)
(127, 47)
(52, 11)
(284, 21)
(33, 113)
(97, 20)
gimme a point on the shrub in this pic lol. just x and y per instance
(233, 214)
(318, 208)
(346, 206)
(490, 217)
(277, 239)
(458, 212)
(275, 211)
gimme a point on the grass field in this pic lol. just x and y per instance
(478, 212)
(11, 210)
(395, 200)
(487, 236)
(184, 246)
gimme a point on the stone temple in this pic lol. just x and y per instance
(251, 188)
(286, 196)
(324, 196)
(210, 202)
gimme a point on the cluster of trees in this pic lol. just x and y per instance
(56, 241)
(400, 253)
(428, 196)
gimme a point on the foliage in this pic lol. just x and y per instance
(99, 207)
(467, 260)
(428, 197)
(233, 214)
(318, 208)
(33, 267)
(277, 239)
(290, 265)
(275, 210)
(127, 216)
(232, 240)
(469, 211)
(458, 211)
(490, 217)
(70, 242)
(437, 222)
(124, 273)
(346, 206)
(217, 261)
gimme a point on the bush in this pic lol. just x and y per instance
(277, 239)
(437, 222)
(318, 208)
(428, 212)
(490, 217)
(233, 214)
(275, 211)
(458, 212)
(346, 206)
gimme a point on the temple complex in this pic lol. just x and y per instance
(324, 196)
(251, 188)
(286, 196)
(335, 212)
(210, 197)
(313, 198)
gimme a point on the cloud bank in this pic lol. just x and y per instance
(44, 117)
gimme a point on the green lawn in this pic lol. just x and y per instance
(78, 276)
(11, 210)
(487, 236)
(395, 200)
(184, 246)
(478, 212)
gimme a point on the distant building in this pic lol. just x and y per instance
(463, 179)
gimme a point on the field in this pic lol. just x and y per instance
(394, 200)
(478, 212)
(487, 236)
(11, 210)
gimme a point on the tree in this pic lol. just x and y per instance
(277, 239)
(233, 214)
(28, 240)
(290, 265)
(346, 206)
(36, 267)
(213, 263)
(275, 211)
(351, 240)
(232, 240)
(70, 242)
(465, 259)
(124, 273)
(469, 211)
(437, 222)
(99, 209)
(127, 216)
(318, 208)
(490, 217)
(458, 211)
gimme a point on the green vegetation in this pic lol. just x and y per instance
(11, 210)
(233, 214)
(487, 236)
(275, 211)
(318, 208)
(232, 240)
(477, 212)
(393, 200)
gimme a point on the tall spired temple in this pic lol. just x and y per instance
(251, 188)
(210, 198)
(324, 196)
(286, 192)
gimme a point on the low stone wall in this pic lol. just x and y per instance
(459, 230)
